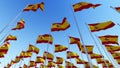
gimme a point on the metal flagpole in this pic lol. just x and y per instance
(88, 57)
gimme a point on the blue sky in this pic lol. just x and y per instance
(38, 23)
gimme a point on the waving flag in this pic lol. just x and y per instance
(74, 40)
(32, 64)
(109, 39)
(60, 66)
(35, 7)
(60, 26)
(20, 25)
(48, 55)
(118, 61)
(2, 54)
(46, 38)
(25, 54)
(25, 66)
(112, 49)
(33, 49)
(10, 37)
(110, 65)
(39, 59)
(89, 49)
(88, 66)
(51, 64)
(100, 60)
(60, 48)
(59, 60)
(84, 5)
(94, 56)
(69, 65)
(116, 55)
(5, 47)
(101, 26)
(71, 54)
(43, 66)
(17, 59)
(117, 9)
(80, 61)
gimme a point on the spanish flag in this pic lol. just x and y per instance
(117, 9)
(59, 60)
(60, 26)
(74, 40)
(20, 25)
(39, 59)
(89, 49)
(25, 66)
(100, 60)
(33, 49)
(118, 61)
(80, 61)
(43, 66)
(5, 47)
(109, 39)
(71, 54)
(60, 48)
(51, 64)
(17, 59)
(10, 37)
(2, 54)
(60, 66)
(88, 66)
(46, 38)
(48, 55)
(35, 7)
(112, 49)
(32, 64)
(84, 5)
(101, 26)
(69, 65)
(110, 65)
(25, 54)
(94, 56)
(116, 55)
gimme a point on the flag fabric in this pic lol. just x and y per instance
(60, 66)
(116, 55)
(84, 5)
(25, 54)
(17, 59)
(2, 54)
(5, 47)
(117, 9)
(33, 48)
(69, 65)
(43, 66)
(89, 49)
(51, 64)
(10, 37)
(94, 56)
(100, 60)
(48, 55)
(80, 61)
(110, 65)
(118, 61)
(32, 64)
(35, 7)
(112, 49)
(46, 38)
(71, 54)
(20, 25)
(59, 60)
(25, 66)
(109, 39)
(60, 26)
(60, 48)
(39, 59)
(74, 40)
(101, 26)
(88, 66)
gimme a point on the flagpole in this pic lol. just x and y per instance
(88, 57)
(107, 54)
(96, 45)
